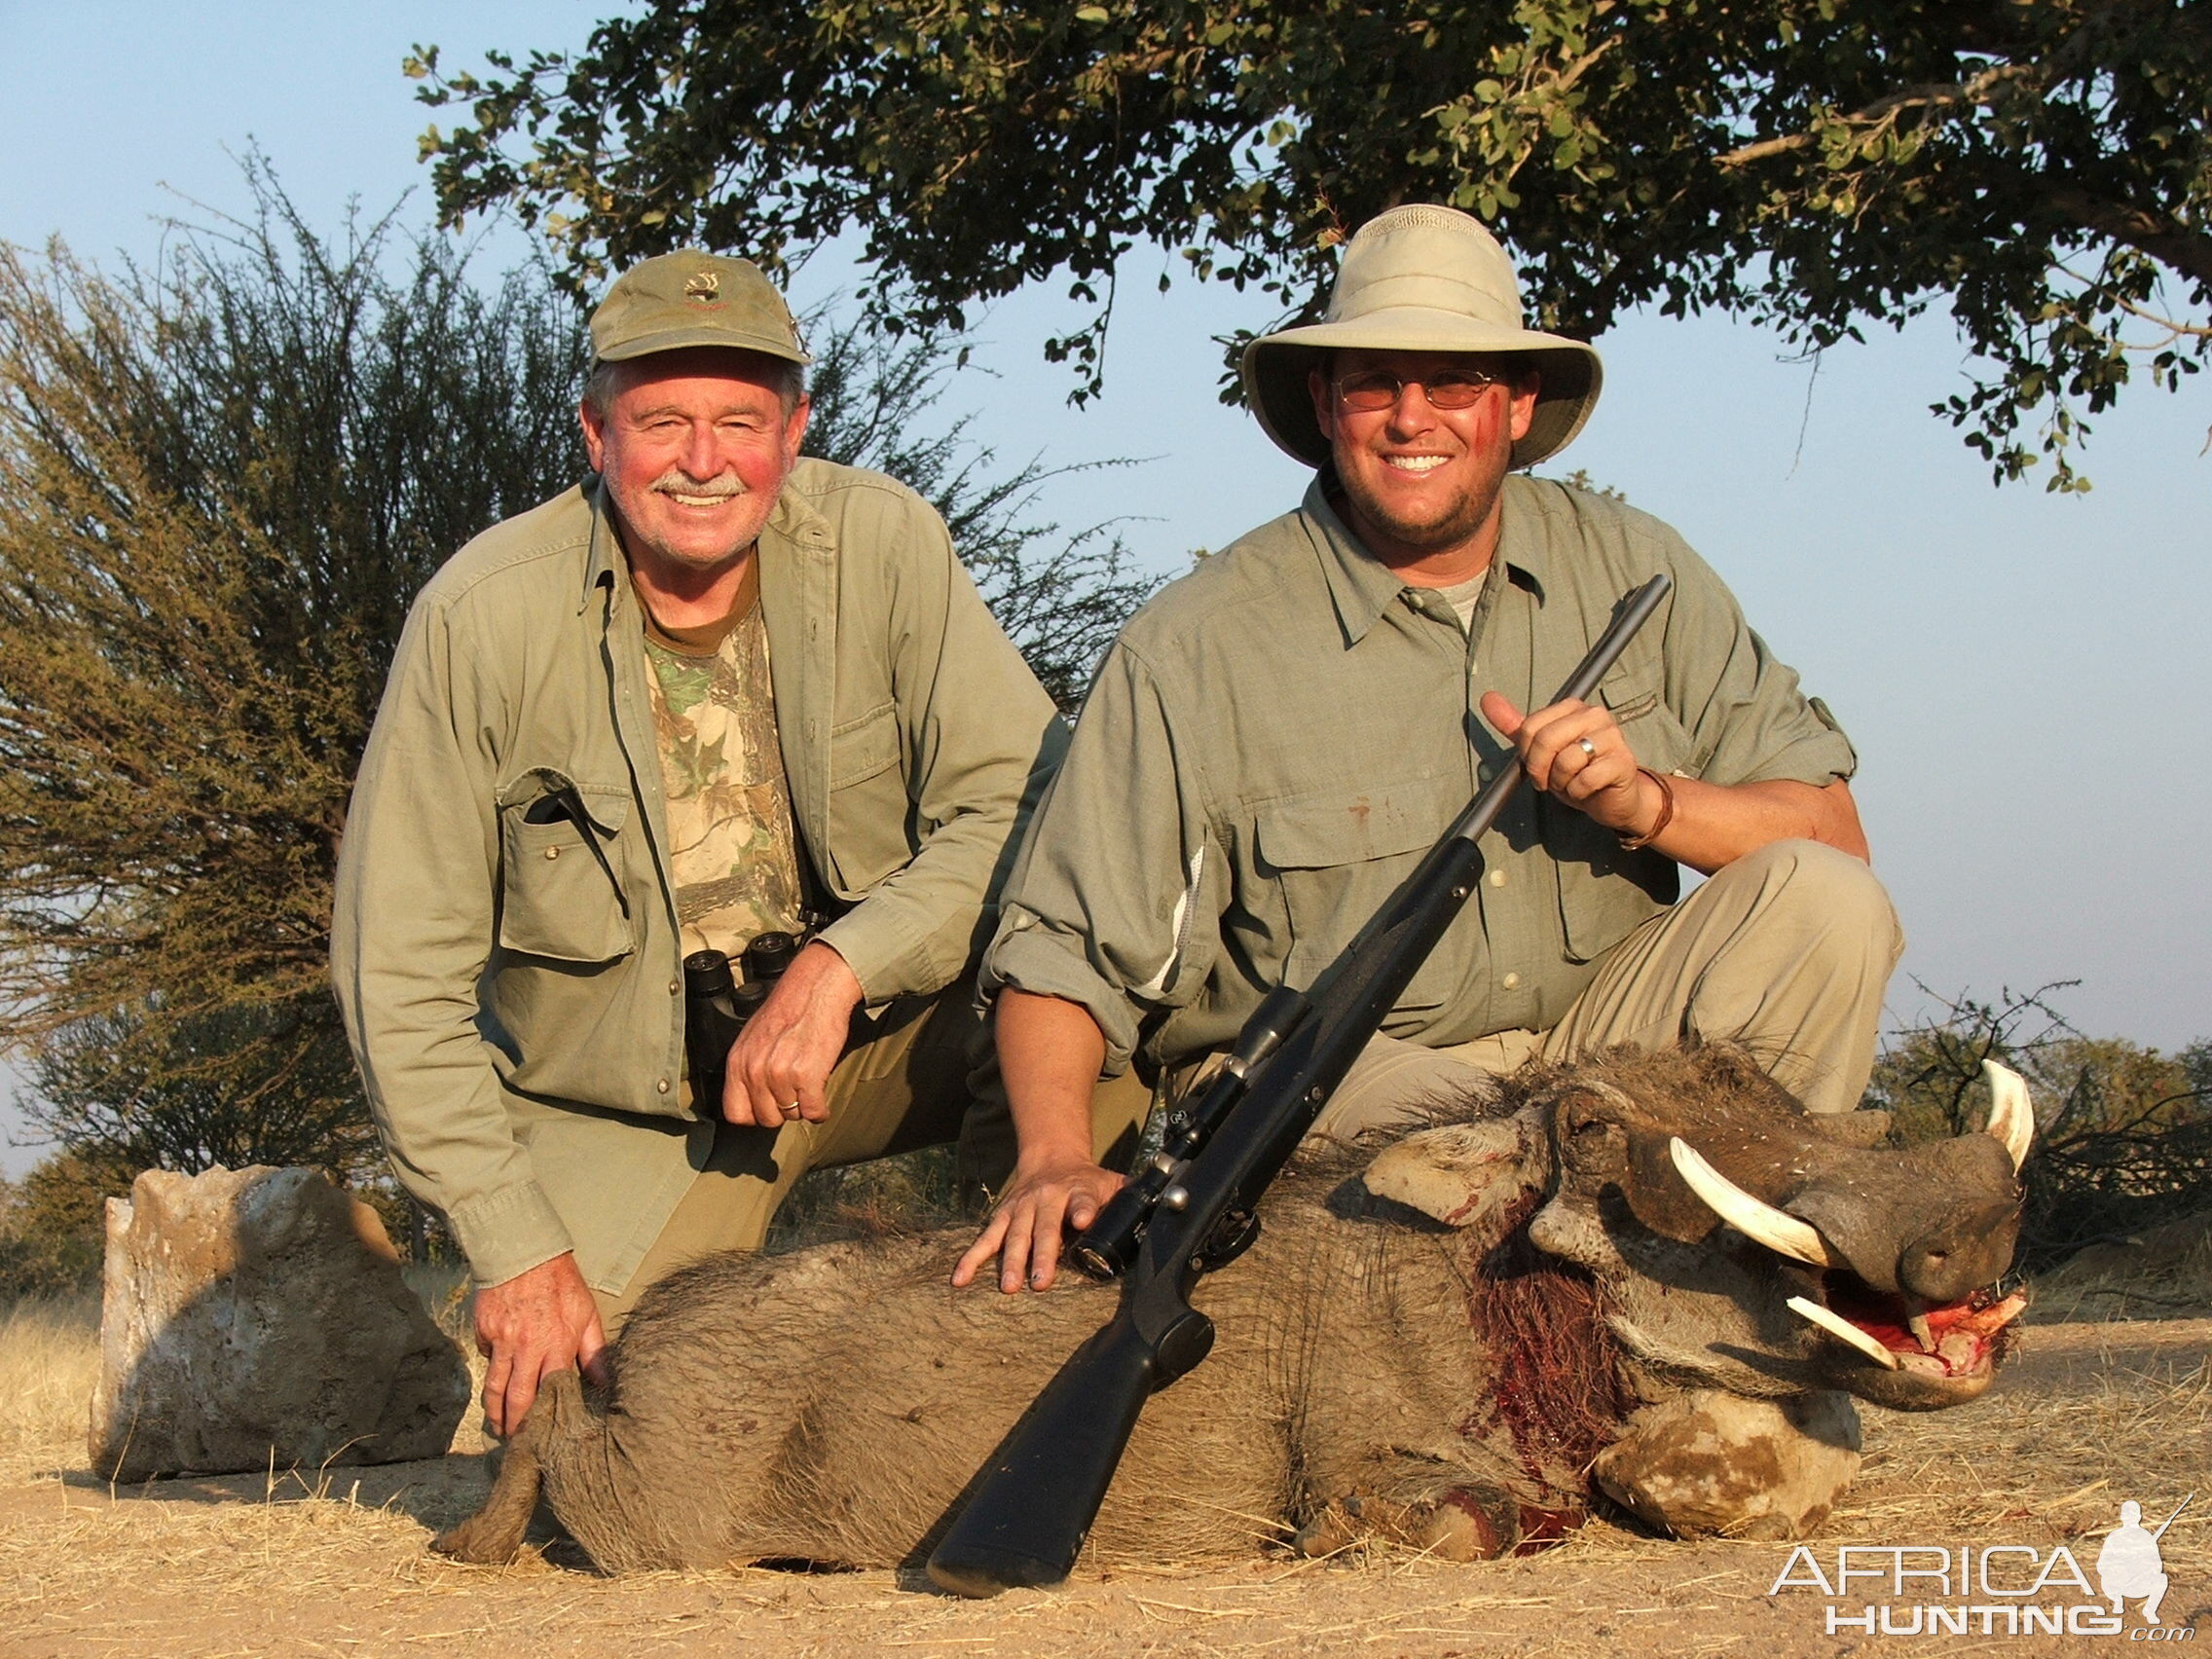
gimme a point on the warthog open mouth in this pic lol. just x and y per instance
(1962, 1341)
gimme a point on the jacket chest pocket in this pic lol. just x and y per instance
(868, 809)
(1338, 854)
(1655, 737)
(560, 856)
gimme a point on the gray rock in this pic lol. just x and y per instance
(256, 1314)
(1706, 1462)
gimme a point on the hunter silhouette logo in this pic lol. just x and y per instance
(704, 287)
(2129, 1565)
(1995, 1589)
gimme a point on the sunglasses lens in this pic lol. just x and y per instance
(1456, 390)
(1369, 391)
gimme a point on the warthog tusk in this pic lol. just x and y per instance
(1784, 1234)
(2011, 1114)
(1839, 1327)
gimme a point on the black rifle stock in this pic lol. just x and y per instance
(1194, 1207)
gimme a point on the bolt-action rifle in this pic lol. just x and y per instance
(1194, 1207)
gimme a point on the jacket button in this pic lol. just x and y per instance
(1509, 982)
(661, 1088)
(552, 852)
(1497, 878)
(675, 985)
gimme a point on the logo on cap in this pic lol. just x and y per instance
(703, 287)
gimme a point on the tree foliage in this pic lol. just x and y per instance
(2123, 1138)
(222, 481)
(2042, 167)
(53, 1226)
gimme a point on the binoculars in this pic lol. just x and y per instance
(718, 997)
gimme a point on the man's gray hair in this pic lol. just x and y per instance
(787, 378)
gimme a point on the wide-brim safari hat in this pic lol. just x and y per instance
(1421, 279)
(692, 298)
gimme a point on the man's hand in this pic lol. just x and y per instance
(782, 1060)
(1711, 824)
(1576, 751)
(1024, 1230)
(536, 1323)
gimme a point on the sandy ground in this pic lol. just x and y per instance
(300, 1563)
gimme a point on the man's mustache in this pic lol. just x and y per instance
(677, 482)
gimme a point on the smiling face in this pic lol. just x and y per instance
(693, 447)
(1421, 483)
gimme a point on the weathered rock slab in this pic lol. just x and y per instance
(1705, 1464)
(259, 1315)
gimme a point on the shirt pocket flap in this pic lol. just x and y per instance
(539, 794)
(1655, 737)
(1338, 855)
(1326, 828)
(558, 887)
(863, 748)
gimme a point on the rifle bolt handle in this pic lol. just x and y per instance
(1175, 1198)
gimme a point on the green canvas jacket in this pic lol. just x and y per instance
(1277, 738)
(513, 990)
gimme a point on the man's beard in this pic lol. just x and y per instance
(1460, 519)
(726, 486)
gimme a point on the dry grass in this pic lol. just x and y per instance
(49, 1359)
(314, 1562)
(2165, 1273)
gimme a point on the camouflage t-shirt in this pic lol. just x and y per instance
(732, 849)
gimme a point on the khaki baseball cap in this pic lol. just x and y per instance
(691, 298)
(1420, 277)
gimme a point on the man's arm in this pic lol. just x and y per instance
(1051, 1053)
(979, 737)
(1112, 911)
(1705, 826)
(410, 935)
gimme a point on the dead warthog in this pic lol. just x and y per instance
(1440, 1343)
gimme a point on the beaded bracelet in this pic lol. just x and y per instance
(1637, 843)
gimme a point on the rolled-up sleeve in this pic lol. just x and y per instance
(1115, 899)
(411, 934)
(1742, 707)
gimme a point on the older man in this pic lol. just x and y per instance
(714, 691)
(1278, 737)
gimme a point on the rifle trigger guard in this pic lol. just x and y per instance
(1229, 1239)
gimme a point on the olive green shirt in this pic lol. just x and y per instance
(511, 982)
(1277, 738)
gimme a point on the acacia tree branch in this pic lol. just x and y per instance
(2164, 237)
(1883, 111)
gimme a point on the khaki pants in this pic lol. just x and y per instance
(1785, 951)
(922, 1074)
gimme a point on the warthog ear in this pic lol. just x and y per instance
(1457, 1174)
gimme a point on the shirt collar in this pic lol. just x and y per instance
(602, 559)
(1362, 587)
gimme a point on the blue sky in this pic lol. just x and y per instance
(2021, 673)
